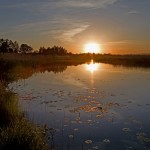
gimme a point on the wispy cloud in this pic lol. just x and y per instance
(70, 34)
(118, 42)
(133, 12)
(42, 5)
(66, 35)
(66, 29)
(62, 29)
(124, 42)
(85, 3)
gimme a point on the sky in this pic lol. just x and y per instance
(119, 26)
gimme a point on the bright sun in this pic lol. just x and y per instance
(92, 48)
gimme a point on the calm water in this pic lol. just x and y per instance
(89, 107)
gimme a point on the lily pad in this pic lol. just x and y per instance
(88, 141)
(126, 129)
(146, 139)
(106, 141)
(71, 136)
(95, 147)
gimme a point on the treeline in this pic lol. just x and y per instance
(8, 46)
(55, 50)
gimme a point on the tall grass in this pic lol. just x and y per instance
(15, 131)
(33, 59)
(125, 60)
(22, 135)
(9, 111)
(76, 59)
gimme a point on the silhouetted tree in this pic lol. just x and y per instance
(42, 50)
(4, 45)
(13, 47)
(24, 48)
(55, 50)
(16, 47)
(7, 46)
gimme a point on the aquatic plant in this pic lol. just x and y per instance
(141, 137)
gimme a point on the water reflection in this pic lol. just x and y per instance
(106, 110)
(92, 67)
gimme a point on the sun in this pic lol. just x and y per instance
(92, 48)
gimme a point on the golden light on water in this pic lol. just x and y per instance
(92, 48)
(92, 67)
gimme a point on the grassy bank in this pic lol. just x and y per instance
(125, 60)
(22, 135)
(16, 132)
(44, 59)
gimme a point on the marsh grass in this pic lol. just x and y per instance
(75, 59)
(15, 131)
(125, 60)
(9, 110)
(35, 59)
(22, 135)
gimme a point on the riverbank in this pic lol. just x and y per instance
(76, 59)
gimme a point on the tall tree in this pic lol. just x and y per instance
(42, 50)
(16, 47)
(4, 45)
(8, 46)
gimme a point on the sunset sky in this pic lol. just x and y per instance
(119, 26)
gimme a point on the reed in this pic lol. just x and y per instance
(22, 135)
(16, 132)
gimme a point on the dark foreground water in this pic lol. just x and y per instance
(90, 107)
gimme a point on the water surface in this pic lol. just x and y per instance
(90, 106)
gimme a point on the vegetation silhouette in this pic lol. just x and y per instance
(24, 48)
(55, 50)
(59, 55)
(124, 60)
(8, 46)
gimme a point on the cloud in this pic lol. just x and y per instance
(66, 29)
(68, 35)
(133, 12)
(62, 29)
(124, 42)
(85, 3)
(46, 5)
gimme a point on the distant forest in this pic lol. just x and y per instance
(8, 46)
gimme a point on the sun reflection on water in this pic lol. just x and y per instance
(92, 67)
